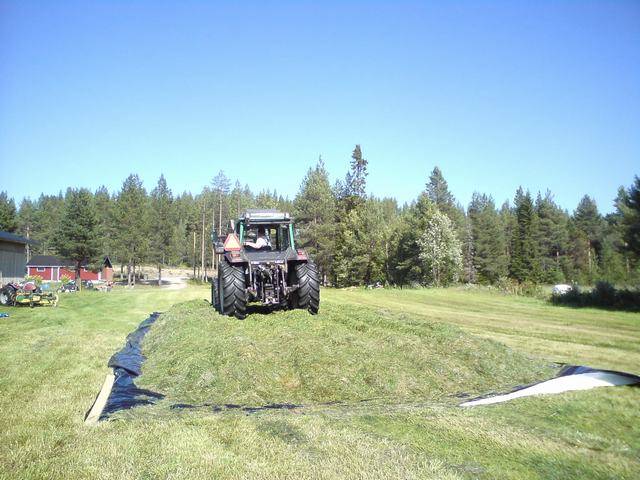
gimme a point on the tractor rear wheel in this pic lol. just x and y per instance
(8, 296)
(307, 296)
(215, 294)
(233, 293)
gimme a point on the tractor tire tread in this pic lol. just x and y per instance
(308, 294)
(234, 294)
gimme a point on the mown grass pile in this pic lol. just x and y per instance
(346, 353)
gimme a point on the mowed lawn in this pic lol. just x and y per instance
(379, 373)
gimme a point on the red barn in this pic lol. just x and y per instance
(49, 267)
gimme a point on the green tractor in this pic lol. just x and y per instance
(258, 262)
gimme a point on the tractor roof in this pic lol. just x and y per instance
(265, 215)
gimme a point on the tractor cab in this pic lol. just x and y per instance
(276, 228)
(261, 236)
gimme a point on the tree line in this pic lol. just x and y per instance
(355, 238)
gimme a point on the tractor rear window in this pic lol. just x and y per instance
(267, 237)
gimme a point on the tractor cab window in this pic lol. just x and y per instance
(283, 237)
(258, 238)
(267, 237)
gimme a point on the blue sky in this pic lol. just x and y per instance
(498, 94)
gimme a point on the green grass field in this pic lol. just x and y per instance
(393, 360)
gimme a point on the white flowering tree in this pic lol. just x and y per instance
(440, 250)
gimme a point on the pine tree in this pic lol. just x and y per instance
(133, 221)
(437, 189)
(8, 217)
(239, 200)
(314, 211)
(552, 238)
(489, 252)
(351, 199)
(27, 222)
(188, 210)
(78, 236)
(438, 192)
(355, 184)
(612, 260)
(406, 266)
(524, 264)
(508, 222)
(387, 227)
(589, 224)
(49, 212)
(106, 222)
(631, 219)
(220, 186)
(162, 224)
(360, 250)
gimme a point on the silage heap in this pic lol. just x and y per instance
(345, 354)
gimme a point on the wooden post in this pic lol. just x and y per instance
(220, 215)
(28, 248)
(213, 251)
(194, 253)
(98, 406)
(202, 246)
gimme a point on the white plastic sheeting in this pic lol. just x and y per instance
(561, 289)
(571, 378)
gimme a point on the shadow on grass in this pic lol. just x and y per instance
(604, 296)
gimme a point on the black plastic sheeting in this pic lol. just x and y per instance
(130, 358)
(232, 406)
(127, 365)
(578, 369)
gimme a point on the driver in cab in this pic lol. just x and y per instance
(262, 242)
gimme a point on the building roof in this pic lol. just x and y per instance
(53, 261)
(48, 261)
(13, 238)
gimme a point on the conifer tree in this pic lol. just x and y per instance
(589, 225)
(106, 221)
(77, 238)
(406, 266)
(350, 222)
(27, 221)
(220, 186)
(8, 217)
(631, 219)
(437, 189)
(162, 224)
(239, 200)
(523, 264)
(355, 184)
(489, 253)
(133, 220)
(315, 211)
(49, 212)
(508, 222)
(552, 238)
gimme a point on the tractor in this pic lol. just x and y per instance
(26, 294)
(258, 262)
